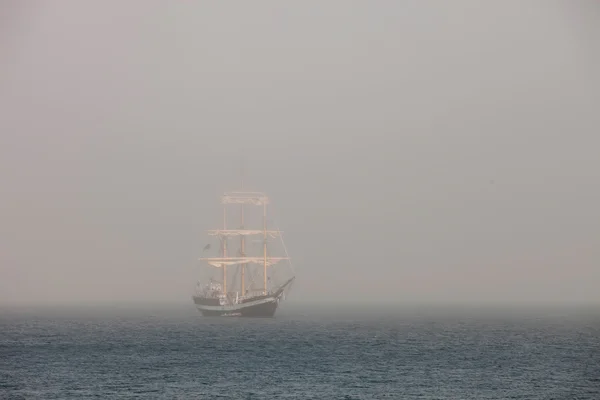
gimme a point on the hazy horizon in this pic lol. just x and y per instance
(415, 152)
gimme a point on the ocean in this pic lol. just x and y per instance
(305, 352)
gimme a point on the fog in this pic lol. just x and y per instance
(439, 152)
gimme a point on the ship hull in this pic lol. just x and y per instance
(263, 308)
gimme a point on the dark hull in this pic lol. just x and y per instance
(264, 310)
(263, 306)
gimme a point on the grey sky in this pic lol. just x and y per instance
(414, 151)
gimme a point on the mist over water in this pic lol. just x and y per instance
(414, 151)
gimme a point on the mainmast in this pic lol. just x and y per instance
(265, 246)
(224, 239)
(242, 240)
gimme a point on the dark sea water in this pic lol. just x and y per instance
(304, 353)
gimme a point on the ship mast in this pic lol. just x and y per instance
(243, 260)
(265, 246)
(224, 239)
(242, 239)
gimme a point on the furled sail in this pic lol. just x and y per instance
(242, 232)
(225, 261)
(254, 198)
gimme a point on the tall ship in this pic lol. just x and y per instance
(244, 281)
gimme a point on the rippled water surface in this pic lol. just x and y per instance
(305, 352)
